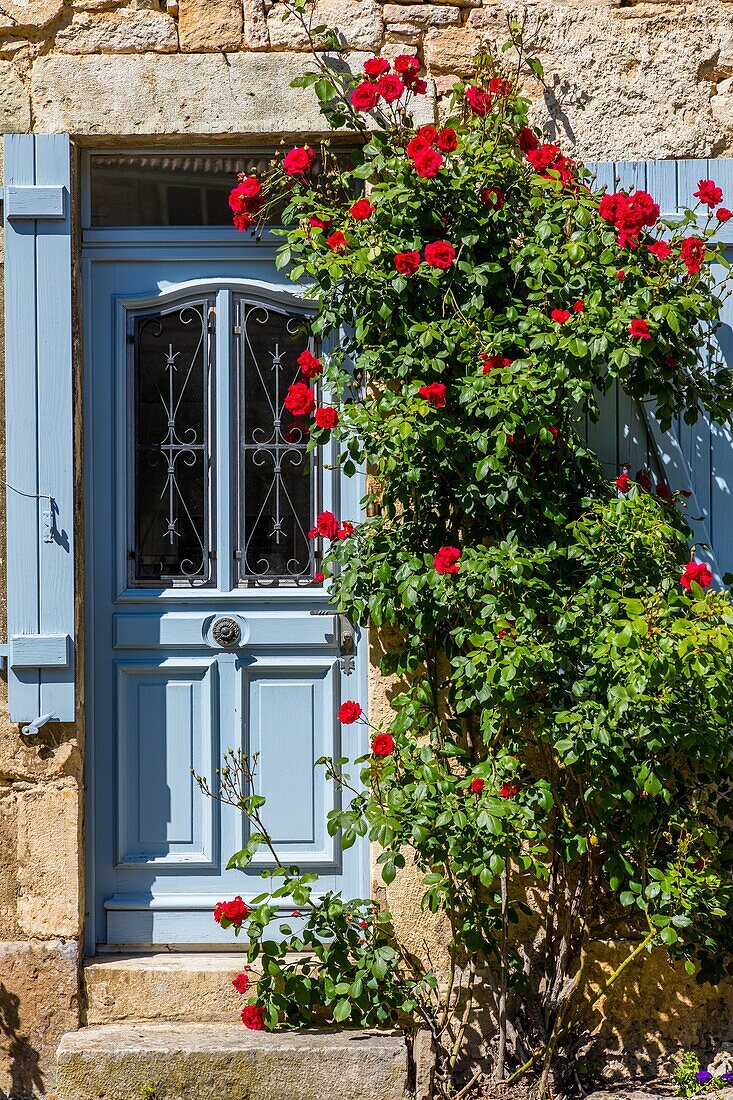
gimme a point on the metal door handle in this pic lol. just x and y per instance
(347, 644)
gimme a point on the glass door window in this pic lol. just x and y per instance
(174, 456)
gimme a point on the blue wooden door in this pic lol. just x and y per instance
(206, 629)
(695, 457)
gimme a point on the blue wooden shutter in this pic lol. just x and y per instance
(39, 427)
(697, 457)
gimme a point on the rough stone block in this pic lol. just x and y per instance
(48, 860)
(39, 1001)
(256, 35)
(31, 13)
(9, 927)
(11, 44)
(219, 1062)
(210, 24)
(124, 31)
(195, 987)
(15, 104)
(424, 15)
(247, 93)
(451, 51)
(358, 23)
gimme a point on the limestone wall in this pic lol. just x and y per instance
(625, 79)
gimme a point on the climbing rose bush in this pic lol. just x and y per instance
(557, 764)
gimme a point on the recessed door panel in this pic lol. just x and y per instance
(167, 723)
(291, 725)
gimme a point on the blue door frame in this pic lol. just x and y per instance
(162, 695)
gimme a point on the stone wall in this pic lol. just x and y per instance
(625, 79)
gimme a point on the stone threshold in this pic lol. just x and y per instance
(197, 1061)
(163, 985)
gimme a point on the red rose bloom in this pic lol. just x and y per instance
(440, 254)
(660, 249)
(434, 394)
(428, 163)
(639, 329)
(527, 140)
(376, 66)
(253, 1017)
(241, 983)
(416, 146)
(337, 242)
(242, 222)
(500, 87)
(418, 87)
(407, 66)
(642, 479)
(579, 306)
(561, 315)
(428, 133)
(493, 196)
(383, 744)
(300, 400)
(709, 193)
(390, 87)
(693, 254)
(246, 197)
(723, 214)
(629, 214)
(319, 578)
(407, 263)
(364, 97)
(349, 712)
(298, 160)
(622, 482)
(446, 560)
(327, 417)
(478, 100)
(696, 571)
(345, 530)
(232, 913)
(447, 140)
(611, 207)
(361, 210)
(509, 790)
(543, 157)
(491, 362)
(319, 223)
(663, 490)
(310, 366)
(643, 208)
(477, 785)
(327, 526)
(621, 275)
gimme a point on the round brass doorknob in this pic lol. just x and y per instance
(226, 631)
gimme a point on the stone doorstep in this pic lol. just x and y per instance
(226, 1062)
(195, 987)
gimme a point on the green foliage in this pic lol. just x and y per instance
(563, 664)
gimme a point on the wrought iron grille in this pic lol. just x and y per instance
(278, 480)
(171, 462)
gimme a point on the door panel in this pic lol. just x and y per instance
(190, 658)
(292, 724)
(166, 723)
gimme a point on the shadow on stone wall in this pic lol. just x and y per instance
(22, 1059)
